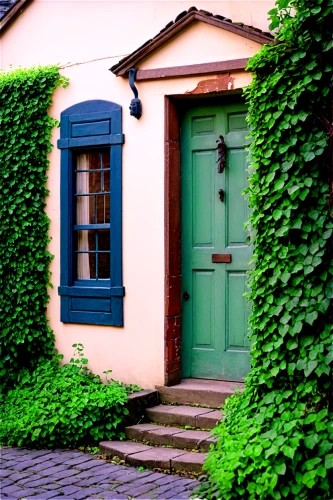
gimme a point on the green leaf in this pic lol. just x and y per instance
(280, 468)
(282, 231)
(329, 461)
(297, 327)
(327, 234)
(311, 441)
(309, 155)
(278, 184)
(312, 365)
(311, 317)
(292, 344)
(303, 115)
(277, 214)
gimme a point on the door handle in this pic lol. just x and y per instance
(186, 296)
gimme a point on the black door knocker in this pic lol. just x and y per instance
(221, 154)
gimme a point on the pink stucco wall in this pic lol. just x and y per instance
(87, 38)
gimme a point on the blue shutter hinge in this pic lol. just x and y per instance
(135, 106)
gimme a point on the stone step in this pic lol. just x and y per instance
(196, 417)
(138, 454)
(171, 436)
(198, 391)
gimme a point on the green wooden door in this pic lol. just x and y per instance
(214, 310)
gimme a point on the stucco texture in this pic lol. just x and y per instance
(87, 38)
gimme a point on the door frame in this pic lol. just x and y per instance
(172, 232)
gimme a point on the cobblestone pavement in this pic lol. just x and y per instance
(74, 475)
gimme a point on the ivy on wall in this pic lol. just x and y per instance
(25, 131)
(277, 438)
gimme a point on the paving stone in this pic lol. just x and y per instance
(44, 495)
(16, 476)
(26, 492)
(52, 470)
(185, 494)
(165, 480)
(74, 479)
(10, 489)
(102, 468)
(5, 473)
(69, 490)
(99, 480)
(125, 478)
(168, 487)
(27, 480)
(86, 492)
(78, 460)
(137, 431)
(109, 495)
(172, 493)
(41, 466)
(52, 486)
(38, 482)
(155, 457)
(176, 415)
(122, 449)
(138, 490)
(189, 462)
(162, 435)
(9, 463)
(195, 391)
(189, 439)
(36, 457)
(146, 496)
(68, 480)
(6, 482)
(143, 480)
(33, 465)
(90, 465)
(96, 479)
(209, 420)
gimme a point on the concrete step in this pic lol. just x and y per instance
(138, 454)
(196, 417)
(198, 391)
(171, 436)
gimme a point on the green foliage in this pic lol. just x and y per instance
(25, 131)
(277, 438)
(62, 406)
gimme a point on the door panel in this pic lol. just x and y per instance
(214, 316)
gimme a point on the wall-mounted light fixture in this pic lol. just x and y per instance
(135, 106)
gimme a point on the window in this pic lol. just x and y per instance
(91, 286)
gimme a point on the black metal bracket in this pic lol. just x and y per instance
(135, 106)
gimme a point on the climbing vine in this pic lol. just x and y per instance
(277, 438)
(25, 131)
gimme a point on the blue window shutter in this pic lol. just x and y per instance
(91, 124)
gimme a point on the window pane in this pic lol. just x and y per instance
(102, 209)
(85, 240)
(104, 266)
(104, 239)
(93, 176)
(86, 266)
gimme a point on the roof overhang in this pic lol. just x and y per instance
(182, 21)
(12, 12)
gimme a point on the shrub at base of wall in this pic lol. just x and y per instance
(26, 339)
(64, 406)
(277, 438)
